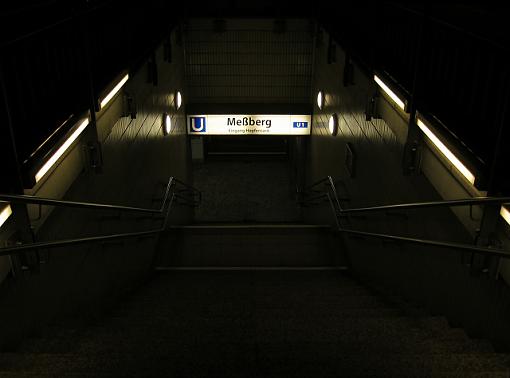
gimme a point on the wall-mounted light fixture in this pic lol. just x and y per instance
(129, 106)
(178, 100)
(505, 213)
(400, 103)
(371, 108)
(445, 151)
(78, 129)
(114, 91)
(320, 100)
(167, 124)
(333, 124)
(5, 212)
(350, 159)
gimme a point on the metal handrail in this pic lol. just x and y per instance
(335, 194)
(328, 180)
(479, 200)
(188, 186)
(67, 242)
(23, 198)
(12, 250)
(419, 205)
(467, 247)
(318, 182)
(62, 243)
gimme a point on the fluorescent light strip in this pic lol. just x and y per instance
(505, 214)
(54, 158)
(5, 213)
(446, 152)
(390, 93)
(114, 91)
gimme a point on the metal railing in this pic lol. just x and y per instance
(41, 201)
(187, 194)
(421, 205)
(313, 192)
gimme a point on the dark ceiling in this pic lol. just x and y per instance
(451, 56)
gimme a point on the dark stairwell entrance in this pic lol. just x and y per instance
(247, 180)
(246, 287)
(238, 299)
(249, 215)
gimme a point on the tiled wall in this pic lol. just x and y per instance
(439, 278)
(378, 148)
(138, 161)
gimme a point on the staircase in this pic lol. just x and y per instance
(250, 245)
(254, 301)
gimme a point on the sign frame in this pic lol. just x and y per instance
(248, 124)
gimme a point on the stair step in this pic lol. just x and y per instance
(211, 227)
(380, 333)
(463, 374)
(490, 374)
(303, 361)
(250, 245)
(268, 359)
(126, 315)
(256, 323)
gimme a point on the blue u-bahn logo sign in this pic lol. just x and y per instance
(300, 125)
(197, 125)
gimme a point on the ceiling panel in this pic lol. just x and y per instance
(249, 61)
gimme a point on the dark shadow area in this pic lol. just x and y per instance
(245, 188)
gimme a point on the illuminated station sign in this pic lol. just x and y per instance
(240, 124)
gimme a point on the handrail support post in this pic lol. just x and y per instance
(487, 238)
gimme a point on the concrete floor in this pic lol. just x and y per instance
(245, 190)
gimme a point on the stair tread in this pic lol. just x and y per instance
(233, 226)
(274, 358)
(271, 323)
